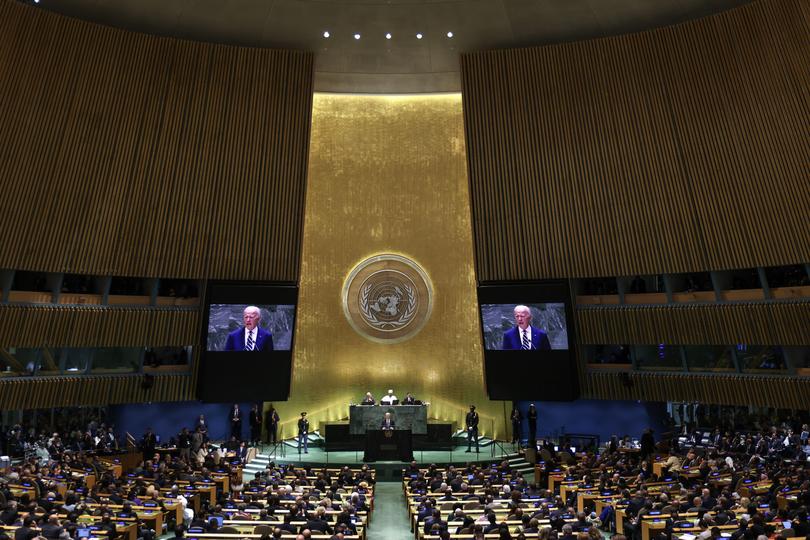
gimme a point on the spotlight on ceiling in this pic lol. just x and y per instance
(449, 34)
(419, 36)
(326, 34)
(388, 35)
(357, 36)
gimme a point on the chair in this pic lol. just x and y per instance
(228, 530)
(263, 529)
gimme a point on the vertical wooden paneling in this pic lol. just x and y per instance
(129, 154)
(93, 326)
(772, 323)
(679, 149)
(778, 392)
(91, 391)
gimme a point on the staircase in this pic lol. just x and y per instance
(519, 463)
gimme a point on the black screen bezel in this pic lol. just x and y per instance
(517, 374)
(235, 376)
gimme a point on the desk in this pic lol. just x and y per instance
(391, 445)
(363, 418)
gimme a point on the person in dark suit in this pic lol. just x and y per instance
(303, 433)
(255, 419)
(409, 399)
(387, 423)
(517, 421)
(148, 443)
(251, 337)
(236, 422)
(531, 416)
(525, 336)
(472, 429)
(272, 419)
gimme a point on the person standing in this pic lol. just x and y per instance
(184, 445)
(517, 420)
(524, 336)
(236, 422)
(303, 433)
(251, 336)
(255, 419)
(531, 416)
(272, 419)
(472, 429)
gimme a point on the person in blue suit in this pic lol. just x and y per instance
(250, 337)
(524, 335)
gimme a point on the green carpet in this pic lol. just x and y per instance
(390, 518)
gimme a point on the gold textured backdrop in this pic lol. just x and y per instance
(388, 174)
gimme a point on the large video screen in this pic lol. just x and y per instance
(237, 327)
(524, 327)
(247, 342)
(528, 341)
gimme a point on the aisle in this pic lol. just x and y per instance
(390, 521)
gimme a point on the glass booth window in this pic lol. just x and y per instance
(760, 358)
(116, 360)
(663, 357)
(709, 358)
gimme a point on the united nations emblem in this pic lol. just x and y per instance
(387, 298)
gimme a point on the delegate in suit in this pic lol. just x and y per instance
(250, 337)
(388, 422)
(525, 336)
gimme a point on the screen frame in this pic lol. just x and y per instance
(528, 292)
(244, 292)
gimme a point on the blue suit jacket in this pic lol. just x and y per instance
(236, 340)
(511, 340)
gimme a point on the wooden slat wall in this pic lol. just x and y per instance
(92, 326)
(129, 154)
(679, 149)
(759, 323)
(781, 392)
(49, 392)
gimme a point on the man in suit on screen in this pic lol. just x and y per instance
(524, 336)
(251, 337)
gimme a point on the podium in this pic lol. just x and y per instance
(388, 445)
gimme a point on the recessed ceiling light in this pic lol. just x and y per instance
(357, 36)
(449, 34)
(326, 34)
(388, 35)
(419, 36)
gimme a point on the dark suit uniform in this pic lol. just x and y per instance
(531, 416)
(236, 340)
(319, 525)
(21, 533)
(255, 419)
(517, 419)
(472, 430)
(387, 423)
(236, 423)
(272, 420)
(512, 340)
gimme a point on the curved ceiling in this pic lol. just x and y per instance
(402, 64)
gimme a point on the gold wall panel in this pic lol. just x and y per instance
(388, 174)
